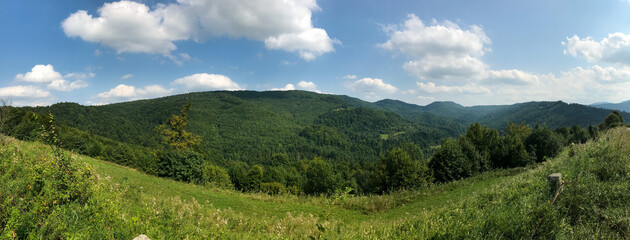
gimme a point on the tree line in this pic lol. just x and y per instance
(399, 165)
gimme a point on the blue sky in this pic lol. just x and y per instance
(470, 52)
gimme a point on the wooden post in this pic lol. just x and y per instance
(555, 183)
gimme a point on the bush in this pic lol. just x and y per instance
(273, 188)
(216, 176)
(185, 166)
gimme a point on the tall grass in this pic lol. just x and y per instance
(510, 204)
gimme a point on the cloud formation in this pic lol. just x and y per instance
(41, 74)
(205, 81)
(302, 85)
(372, 86)
(612, 49)
(133, 27)
(439, 50)
(23, 91)
(124, 92)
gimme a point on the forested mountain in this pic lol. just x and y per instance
(551, 114)
(305, 142)
(622, 106)
(254, 127)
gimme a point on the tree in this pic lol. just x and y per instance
(514, 153)
(5, 117)
(449, 162)
(543, 143)
(174, 134)
(216, 176)
(255, 177)
(320, 178)
(397, 170)
(613, 119)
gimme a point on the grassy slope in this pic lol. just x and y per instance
(503, 204)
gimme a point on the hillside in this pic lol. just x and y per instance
(622, 106)
(252, 126)
(551, 114)
(120, 203)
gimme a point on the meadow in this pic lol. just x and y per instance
(101, 200)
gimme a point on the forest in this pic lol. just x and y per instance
(306, 143)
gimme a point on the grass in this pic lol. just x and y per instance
(503, 204)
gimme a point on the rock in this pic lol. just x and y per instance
(142, 237)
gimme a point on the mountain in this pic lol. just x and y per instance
(552, 114)
(256, 127)
(622, 106)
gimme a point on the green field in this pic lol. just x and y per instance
(122, 203)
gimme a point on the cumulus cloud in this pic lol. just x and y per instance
(66, 86)
(431, 87)
(418, 40)
(128, 26)
(205, 81)
(446, 67)
(23, 92)
(439, 50)
(512, 77)
(47, 74)
(40, 74)
(302, 85)
(613, 49)
(124, 92)
(372, 86)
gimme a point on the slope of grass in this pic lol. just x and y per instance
(505, 204)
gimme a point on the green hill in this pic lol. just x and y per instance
(551, 114)
(107, 201)
(252, 126)
(622, 106)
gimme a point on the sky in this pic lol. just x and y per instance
(484, 52)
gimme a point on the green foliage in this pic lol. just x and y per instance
(185, 165)
(215, 176)
(174, 134)
(543, 142)
(400, 169)
(613, 119)
(320, 178)
(255, 178)
(449, 162)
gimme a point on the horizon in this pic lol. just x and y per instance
(418, 52)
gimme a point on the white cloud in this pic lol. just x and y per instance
(40, 74)
(372, 86)
(205, 81)
(302, 85)
(431, 87)
(133, 27)
(126, 76)
(351, 77)
(65, 86)
(514, 77)
(47, 74)
(124, 92)
(288, 87)
(440, 50)
(613, 49)
(127, 27)
(446, 67)
(23, 92)
(419, 40)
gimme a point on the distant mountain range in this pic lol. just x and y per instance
(622, 106)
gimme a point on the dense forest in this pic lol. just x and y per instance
(307, 143)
